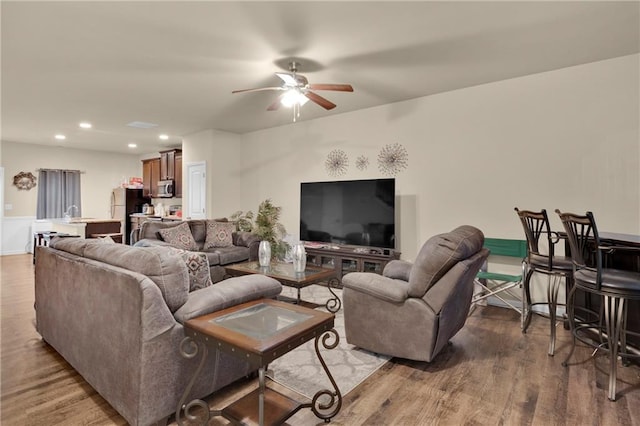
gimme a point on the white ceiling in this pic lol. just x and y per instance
(176, 63)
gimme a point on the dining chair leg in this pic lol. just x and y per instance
(527, 294)
(552, 298)
(572, 324)
(614, 309)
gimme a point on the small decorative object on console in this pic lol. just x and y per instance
(299, 258)
(264, 253)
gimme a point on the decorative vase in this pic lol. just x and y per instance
(299, 258)
(264, 253)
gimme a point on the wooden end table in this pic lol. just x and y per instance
(284, 273)
(259, 332)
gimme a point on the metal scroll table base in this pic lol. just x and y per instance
(263, 406)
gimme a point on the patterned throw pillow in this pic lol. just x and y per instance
(219, 234)
(197, 267)
(179, 236)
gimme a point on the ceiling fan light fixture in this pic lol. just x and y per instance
(293, 97)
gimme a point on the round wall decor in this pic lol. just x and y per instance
(337, 162)
(392, 159)
(24, 180)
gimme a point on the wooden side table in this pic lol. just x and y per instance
(259, 332)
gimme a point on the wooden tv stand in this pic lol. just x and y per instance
(347, 259)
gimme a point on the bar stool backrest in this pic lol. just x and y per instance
(584, 243)
(536, 224)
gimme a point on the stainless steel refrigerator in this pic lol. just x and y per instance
(125, 202)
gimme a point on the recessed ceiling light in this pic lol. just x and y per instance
(132, 145)
(60, 137)
(164, 137)
(141, 125)
(85, 125)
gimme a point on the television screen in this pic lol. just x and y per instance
(356, 212)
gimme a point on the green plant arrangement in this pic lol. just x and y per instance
(243, 221)
(268, 227)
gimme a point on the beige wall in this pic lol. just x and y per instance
(221, 152)
(565, 139)
(103, 172)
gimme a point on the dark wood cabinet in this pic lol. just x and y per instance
(345, 259)
(150, 177)
(178, 174)
(167, 164)
(167, 167)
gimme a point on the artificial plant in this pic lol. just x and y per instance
(243, 221)
(266, 226)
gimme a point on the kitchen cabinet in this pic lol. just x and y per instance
(168, 164)
(178, 173)
(150, 177)
(167, 167)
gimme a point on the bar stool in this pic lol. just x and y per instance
(615, 287)
(536, 224)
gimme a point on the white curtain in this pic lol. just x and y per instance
(58, 192)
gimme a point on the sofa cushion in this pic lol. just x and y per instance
(167, 270)
(439, 254)
(219, 234)
(198, 230)
(197, 267)
(233, 254)
(179, 236)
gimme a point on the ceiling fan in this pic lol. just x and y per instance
(296, 91)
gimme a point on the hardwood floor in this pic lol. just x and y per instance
(491, 375)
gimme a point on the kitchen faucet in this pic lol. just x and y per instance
(67, 214)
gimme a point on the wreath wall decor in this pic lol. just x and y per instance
(337, 162)
(393, 159)
(24, 180)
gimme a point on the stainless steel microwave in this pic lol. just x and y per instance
(165, 188)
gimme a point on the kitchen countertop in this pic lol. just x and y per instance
(81, 221)
(170, 217)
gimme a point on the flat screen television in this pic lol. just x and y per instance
(354, 212)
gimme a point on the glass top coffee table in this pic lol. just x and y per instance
(284, 273)
(259, 332)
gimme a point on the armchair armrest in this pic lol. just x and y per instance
(230, 292)
(398, 269)
(378, 286)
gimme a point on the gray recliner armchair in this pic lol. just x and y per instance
(412, 310)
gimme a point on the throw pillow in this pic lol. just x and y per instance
(179, 236)
(219, 234)
(197, 267)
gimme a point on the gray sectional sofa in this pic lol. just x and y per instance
(116, 314)
(245, 244)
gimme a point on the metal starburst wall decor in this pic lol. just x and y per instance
(362, 162)
(337, 162)
(393, 159)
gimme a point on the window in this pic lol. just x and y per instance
(58, 193)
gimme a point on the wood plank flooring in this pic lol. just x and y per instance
(491, 375)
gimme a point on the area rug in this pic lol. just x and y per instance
(300, 369)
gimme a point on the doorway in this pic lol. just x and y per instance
(197, 190)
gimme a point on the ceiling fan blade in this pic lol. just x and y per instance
(324, 103)
(276, 104)
(258, 89)
(287, 78)
(337, 87)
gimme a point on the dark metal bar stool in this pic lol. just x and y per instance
(615, 287)
(536, 226)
